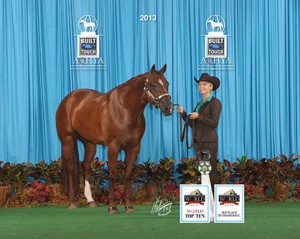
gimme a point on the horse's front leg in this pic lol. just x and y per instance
(113, 174)
(131, 154)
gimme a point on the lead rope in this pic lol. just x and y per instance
(185, 130)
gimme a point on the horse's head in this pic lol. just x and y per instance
(156, 89)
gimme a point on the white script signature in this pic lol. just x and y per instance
(161, 207)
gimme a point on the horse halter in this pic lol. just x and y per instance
(152, 96)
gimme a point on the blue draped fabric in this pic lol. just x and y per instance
(261, 106)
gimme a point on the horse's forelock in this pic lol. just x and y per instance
(160, 76)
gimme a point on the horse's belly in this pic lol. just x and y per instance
(106, 138)
(91, 132)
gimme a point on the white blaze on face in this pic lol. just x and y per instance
(161, 82)
(87, 192)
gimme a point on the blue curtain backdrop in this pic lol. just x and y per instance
(260, 96)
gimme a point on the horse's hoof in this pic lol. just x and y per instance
(113, 210)
(129, 209)
(72, 205)
(92, 205)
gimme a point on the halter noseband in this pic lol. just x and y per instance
(151, 95)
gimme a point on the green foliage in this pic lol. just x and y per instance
(270, 179)
(15, 174)
(147, 172)
(49, 173)
(188, 172)
(120, 173)
(275, 179)
(165, 171)
(225, 170)
(98, 173)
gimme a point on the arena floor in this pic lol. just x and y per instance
(262, 220)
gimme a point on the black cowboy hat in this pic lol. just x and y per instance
(211, 79)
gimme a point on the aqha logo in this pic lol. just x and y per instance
(216, 52)
(88, 46)
(88, 41)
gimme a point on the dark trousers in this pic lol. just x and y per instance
(213, 149)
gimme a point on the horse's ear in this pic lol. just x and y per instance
(163, 69)
(153, 68)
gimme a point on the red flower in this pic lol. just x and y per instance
(40, 193)
(249, 189)
(170, 189)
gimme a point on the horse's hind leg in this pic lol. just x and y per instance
(89, 154)
(70, 169)
(131, 154)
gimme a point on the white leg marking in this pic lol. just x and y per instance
(87, 192)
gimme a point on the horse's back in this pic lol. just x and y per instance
(74, 99)
(83, 93)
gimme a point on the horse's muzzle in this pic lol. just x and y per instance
(166, 106)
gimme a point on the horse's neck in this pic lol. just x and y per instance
(133, 94)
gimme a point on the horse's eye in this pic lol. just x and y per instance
(153, 87)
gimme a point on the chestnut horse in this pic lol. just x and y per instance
(114, 119)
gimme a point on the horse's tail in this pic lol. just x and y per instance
(74, 165)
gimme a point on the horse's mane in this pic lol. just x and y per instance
(132, 80)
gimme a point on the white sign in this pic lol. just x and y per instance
(229, 203)
(194, 203)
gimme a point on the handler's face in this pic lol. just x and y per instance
(205, 87)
